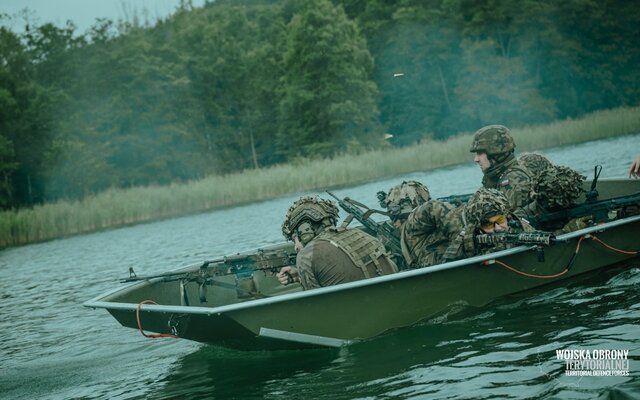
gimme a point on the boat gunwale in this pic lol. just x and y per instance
(98, 303)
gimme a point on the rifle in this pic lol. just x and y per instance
(537, 238)
(456, 199)
(598, 210)
(382, 230)
(525, 238)
(240, 265)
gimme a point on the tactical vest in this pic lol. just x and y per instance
(364, 250)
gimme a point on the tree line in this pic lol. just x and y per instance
(238, 84)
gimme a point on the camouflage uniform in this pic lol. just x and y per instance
(534, 162)
(487, 203)
(403, 198)
(428, 231)
(332, 255)
(400, 201)
(505, 174)
(555, 188)
(438, 232)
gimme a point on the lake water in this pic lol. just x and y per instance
(54, 348)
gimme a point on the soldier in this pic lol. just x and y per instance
(555, 188)
(328, 255)
(427, 232)
(437, 231)
(494, 148)
(400, 201)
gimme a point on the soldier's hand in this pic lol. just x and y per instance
(288, 275)
(634, 170)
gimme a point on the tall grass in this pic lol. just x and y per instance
(118, 207)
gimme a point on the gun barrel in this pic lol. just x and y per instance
(599, 210)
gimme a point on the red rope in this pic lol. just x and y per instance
(152, 336)
(633, 253)
(592, 237)
(527, 274)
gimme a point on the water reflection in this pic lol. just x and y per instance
(217, 373)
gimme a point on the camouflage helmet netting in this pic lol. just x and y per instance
(557, 187)
(403, 198)
(484, 204)
(534, 162)
(309, 208)
(493, 139)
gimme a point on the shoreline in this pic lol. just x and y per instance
(117, 208)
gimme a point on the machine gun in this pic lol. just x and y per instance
(382, 230)
(241, 265)
(598, 210)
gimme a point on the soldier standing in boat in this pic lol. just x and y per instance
(494, 153)
(329, 255)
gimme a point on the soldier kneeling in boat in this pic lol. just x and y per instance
(400, 201)
(328, 255)
(438, 232)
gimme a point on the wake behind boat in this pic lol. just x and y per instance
(237, 302)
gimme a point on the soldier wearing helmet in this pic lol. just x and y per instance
(494, 148)
(402, 199)
(328, 255)
(487, 211)
(437, 231)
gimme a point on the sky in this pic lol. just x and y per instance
(84, 12)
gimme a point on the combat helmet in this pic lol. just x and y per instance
(493, 139)
(311, 209)
(557, 187)
(484, 204)
(534, 162)
(403, 198)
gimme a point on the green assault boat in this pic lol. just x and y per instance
(237, 302)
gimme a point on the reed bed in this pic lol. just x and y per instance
(119, 207)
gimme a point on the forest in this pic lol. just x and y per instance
(238, 85)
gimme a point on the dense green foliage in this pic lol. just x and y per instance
(248, 84)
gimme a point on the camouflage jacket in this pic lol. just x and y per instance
(342, 255)
(428, 231)
(512, 179)
(436, 232)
